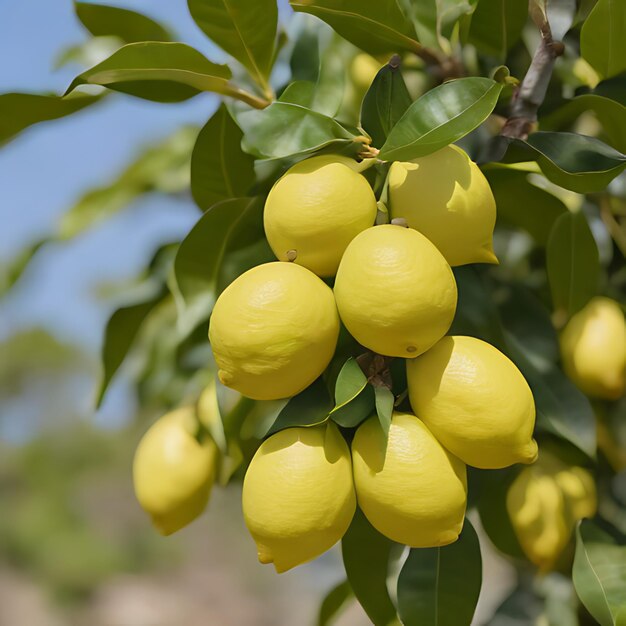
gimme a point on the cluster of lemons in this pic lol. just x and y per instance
(274, 331)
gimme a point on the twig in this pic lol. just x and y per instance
(532, 91)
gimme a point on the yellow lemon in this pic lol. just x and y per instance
(273, 331)
(315, 210)
(446, 197)
(593, 349)
(298, 495)
(475, 401)
(414, 493)
(544, 503)
(395, 293)
(173, 472)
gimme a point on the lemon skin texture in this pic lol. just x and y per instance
(395, 293)
(414, 494)
(545, 502)
(316, 209)
(446, 197)
(593, 349)
(273, 331)
(173, 473)
(475, 401)
(298, 495)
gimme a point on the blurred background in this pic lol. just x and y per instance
(75, 548)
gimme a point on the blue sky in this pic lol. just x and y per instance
(47, 168)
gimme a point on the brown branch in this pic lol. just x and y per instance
(532, 91)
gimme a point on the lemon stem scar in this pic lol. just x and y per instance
(292, 255)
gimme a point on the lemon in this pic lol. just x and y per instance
(414, 493)
(593, 349)
(544, 503)
(315, 210)
(273, 331)
(395, 293)
(446, 197)
(363, 70)
(298, 495)
(475, 401)
(172, 472)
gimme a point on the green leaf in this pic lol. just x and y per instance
(21, 110)
(129, 26)
(576, 162)
(494, 517)
(247, 35)
(366, 559)
(384, 407)
(609, 112)
(354, 397)
(285, 129)
(497, 26)
(385, 102)
(13, 269)
(599, 574)
(562, 409)
(376, 26)
(613, 88)
(220, 169)
(159, 71)
(120, 333)
(522, 204)
(440, 586)
(440, 117)
(602, 41)
(309, 408)
(226, 230)
(163, 167)
(572, 263)
(334, 602)
(209, 414)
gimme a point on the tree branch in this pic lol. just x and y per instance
(532, 91)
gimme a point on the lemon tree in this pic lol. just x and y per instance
(399, 317)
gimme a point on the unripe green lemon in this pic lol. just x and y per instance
(593, 349)
(273, 331)
(446, 197)
(395, 293)
(298, 495)
(315, 210)
(475, 401)
(172, 472)
(415, 493)
(544, 503)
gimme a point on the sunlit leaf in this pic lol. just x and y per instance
(599, 574)
(220, 169)
(285, 129)
(109, 21)
(572, 262)
(384, 407)
(21, 110)
(246, 34)
(366, 559)
(354, 397)
(440, 586)
(602, 41)
(385, 102)
(440, 117)
(376, 26)
(160, 71)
